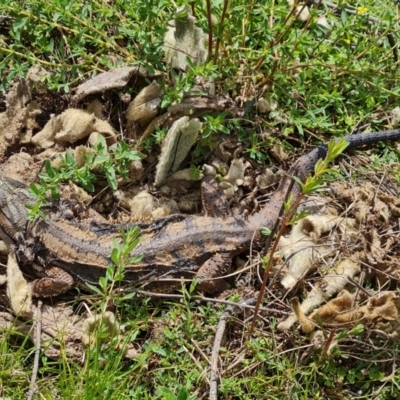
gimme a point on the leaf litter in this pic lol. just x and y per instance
(329, 256)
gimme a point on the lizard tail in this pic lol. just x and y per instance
(269, 214)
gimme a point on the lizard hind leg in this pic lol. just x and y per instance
(211, 272)
(56, 282)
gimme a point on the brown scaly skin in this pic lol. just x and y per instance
(173, 247)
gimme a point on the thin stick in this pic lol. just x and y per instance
(38, 339)
(217, 345)
(246, 304)
(210, 31)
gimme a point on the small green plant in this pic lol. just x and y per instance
(112, 160)
(311, 184)
(213, 126)
(156, 138)
(257, 147)
(183, 83)
(265, 231)
(105, 161)
(120, 258)
(167, 394)
(321, 169)
(195, 172)
(315, 181)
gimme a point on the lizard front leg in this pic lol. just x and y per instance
(55, 281)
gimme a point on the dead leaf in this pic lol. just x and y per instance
(176, 146)
(113, 79)
(303, 246)
(18, 121)
(144, 107)
(184, 39)
(72, 125)
(19, 291)
(332, 283)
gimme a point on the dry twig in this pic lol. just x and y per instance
(38, 323)
(217, 344)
